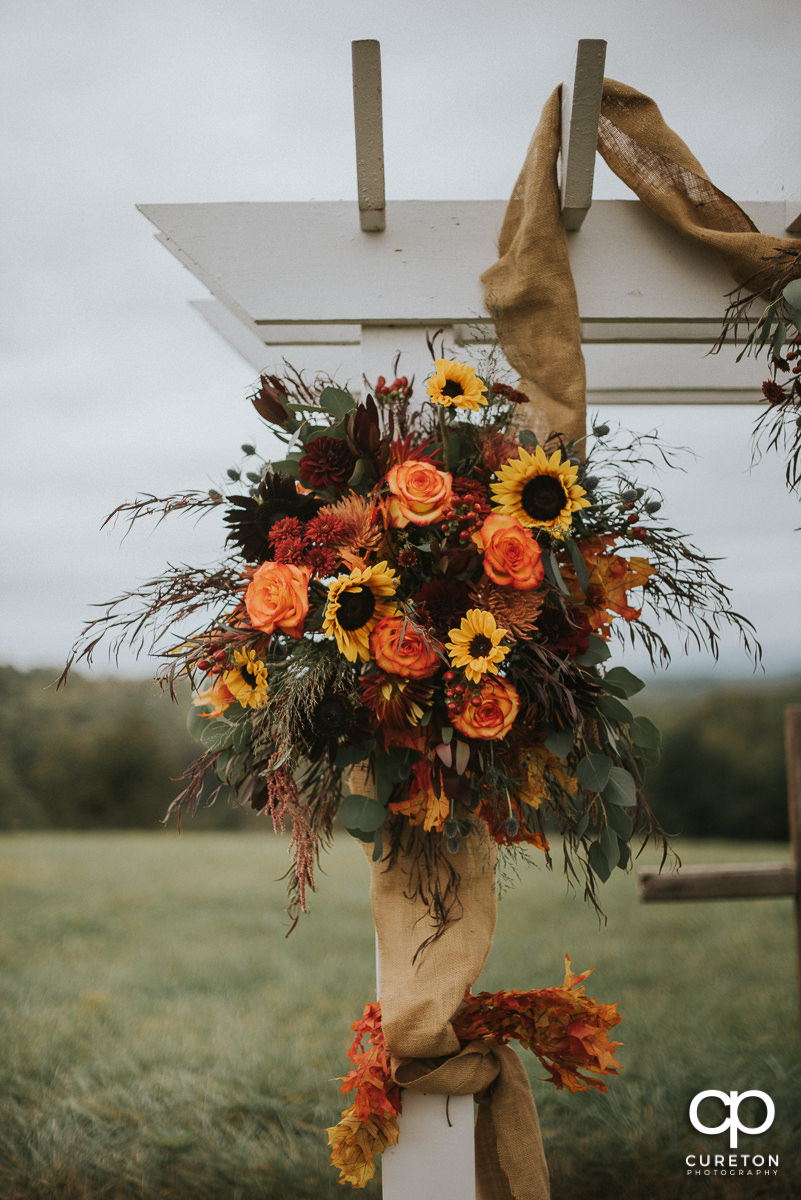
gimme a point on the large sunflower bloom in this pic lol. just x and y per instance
(475, 645)
(247, 680)
(541, 492)
(356, 603)
(455, 384)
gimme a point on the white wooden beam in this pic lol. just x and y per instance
(367, 115)
(262, 260)
(582, 92)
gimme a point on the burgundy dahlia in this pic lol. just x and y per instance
(326, 462)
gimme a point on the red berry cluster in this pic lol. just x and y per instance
(636, 530)
(216, 663)
(399, 389)
(458, 695)
(468, 511)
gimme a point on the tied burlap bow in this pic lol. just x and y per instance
(420, 992)
(529, 291)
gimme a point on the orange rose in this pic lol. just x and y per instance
(511, 556)
(493, 716)
(411, 657)
(421, 493)
(277, 597)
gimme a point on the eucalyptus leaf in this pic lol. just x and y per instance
(597, 652)
(362, 812)
(593, 772)
(337, 402)
(243, 735)
(197, 719)
(527, 437)
(625, 856)
(645, 735)
(614, 709)
(621, 681)
(447, 734)
(287, 466)
(620, 788)
(560, 742)
(611, 847)
(579, 565)
(217, 734)
(552, 572)
(598, 862)
(462, 757)
(620, 821)
(348, 756)
(792, 293)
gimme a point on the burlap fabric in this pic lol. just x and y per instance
(419, 994)
(530, 292)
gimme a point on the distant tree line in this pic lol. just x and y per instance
(101, 754)
(105, 754)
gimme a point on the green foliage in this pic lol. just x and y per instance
(102, 754)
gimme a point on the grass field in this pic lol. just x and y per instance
(162, 1039)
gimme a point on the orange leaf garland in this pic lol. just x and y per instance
(370, 1124)
(566, 1030)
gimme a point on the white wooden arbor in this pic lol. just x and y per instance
(343, 287)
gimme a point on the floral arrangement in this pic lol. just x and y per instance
(777, 331)
(431, 593)
(565, 1029)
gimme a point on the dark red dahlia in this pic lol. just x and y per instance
(326, 462)
(441, 604)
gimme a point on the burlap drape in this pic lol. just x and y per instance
(529, 291)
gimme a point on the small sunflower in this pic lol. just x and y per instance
(456, 384)
(540, 491)
(247, 680)
(396, 701)
(356, 603)
(475, 645)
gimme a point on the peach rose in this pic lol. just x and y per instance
(511, 556)
(421, 493)
(410, 657)
(277, 597)
(493, 716)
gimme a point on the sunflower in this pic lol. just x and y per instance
(456, 384)
(247, 680)
(475, 645)
(250, 519)
(356, 603)
(395, 701)
(540, 491)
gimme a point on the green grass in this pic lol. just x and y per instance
(162, 1039)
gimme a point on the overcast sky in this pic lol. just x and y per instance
(112, 385)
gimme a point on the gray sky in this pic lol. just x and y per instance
(112, 385)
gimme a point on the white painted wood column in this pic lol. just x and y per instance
(435, 1155)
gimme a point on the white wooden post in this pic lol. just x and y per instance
(582, 92)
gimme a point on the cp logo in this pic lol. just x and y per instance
(732, 1101)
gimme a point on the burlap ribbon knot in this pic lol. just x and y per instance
(530, 292)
